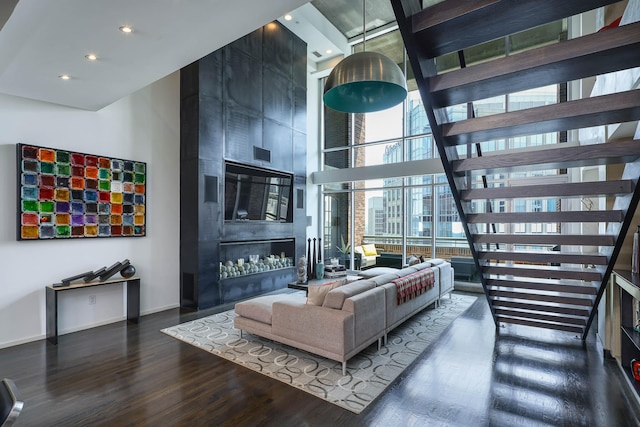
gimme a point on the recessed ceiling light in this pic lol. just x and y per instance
(126, 29)
(64, 77)
(91, 57)
(328, 51)
(288, 17)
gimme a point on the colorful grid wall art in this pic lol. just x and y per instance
(65, 194)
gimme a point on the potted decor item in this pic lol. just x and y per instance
(320, 270)
(344, 249)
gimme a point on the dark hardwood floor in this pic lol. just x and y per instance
(134, 375)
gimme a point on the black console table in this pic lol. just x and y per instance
(133, 301)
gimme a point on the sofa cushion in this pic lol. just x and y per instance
(336, 297)
(385, 278)
(407, 270)
(436, 261)
(317, 293)
(259, 308)
(422, 265)
(369, 250)
(377, 271)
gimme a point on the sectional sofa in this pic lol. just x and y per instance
(339, 320)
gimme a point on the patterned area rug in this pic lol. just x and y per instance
(368, 373)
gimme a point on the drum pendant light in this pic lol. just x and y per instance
(365, 82)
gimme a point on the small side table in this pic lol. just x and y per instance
(133, 302)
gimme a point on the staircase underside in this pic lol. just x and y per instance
(546, 245)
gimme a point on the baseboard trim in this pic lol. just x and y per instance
(22, 341)
(159, 309)
(82, 328)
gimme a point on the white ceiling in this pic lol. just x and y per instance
(43, 39)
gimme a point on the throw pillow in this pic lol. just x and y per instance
(316, 293)
(369, 250)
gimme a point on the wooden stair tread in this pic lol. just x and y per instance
(543, 308)
(558, 299)
(586, 56)
(457, 24)
(546, 239)
(549, 285)
(556, 158)
(541, 316)
(537, 324)
(543, 271)
(595, 111)
(562, 216)
(545, 257)
(572, 189)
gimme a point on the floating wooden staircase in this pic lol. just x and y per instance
(556, 277)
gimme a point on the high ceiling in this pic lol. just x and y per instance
(43, 39)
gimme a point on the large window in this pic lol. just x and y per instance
(411, 209)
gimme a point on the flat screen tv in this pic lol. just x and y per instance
(256, 194)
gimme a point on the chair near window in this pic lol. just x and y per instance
(10, 403)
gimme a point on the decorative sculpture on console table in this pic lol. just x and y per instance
(302, 270)
(314, 260)
(125, 269)
(309, 273)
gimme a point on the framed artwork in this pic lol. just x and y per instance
(66, 194)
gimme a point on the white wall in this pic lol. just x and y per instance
(144, 126)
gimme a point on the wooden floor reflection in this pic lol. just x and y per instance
(134, 375)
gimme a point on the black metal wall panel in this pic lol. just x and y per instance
(211, 127)
(244, 130)
(300, 109)
(299, 154)
(241, 96)
(279, 140)
(299, 63)
(277, 49)
(251, 44)
(210, 77)
(277, 97)
(242, 80)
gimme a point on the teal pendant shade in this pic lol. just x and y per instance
(365, 82)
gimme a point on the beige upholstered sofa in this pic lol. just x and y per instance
(349, 318)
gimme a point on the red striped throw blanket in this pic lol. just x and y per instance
(414, 284)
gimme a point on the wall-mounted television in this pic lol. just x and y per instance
(256, 194)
